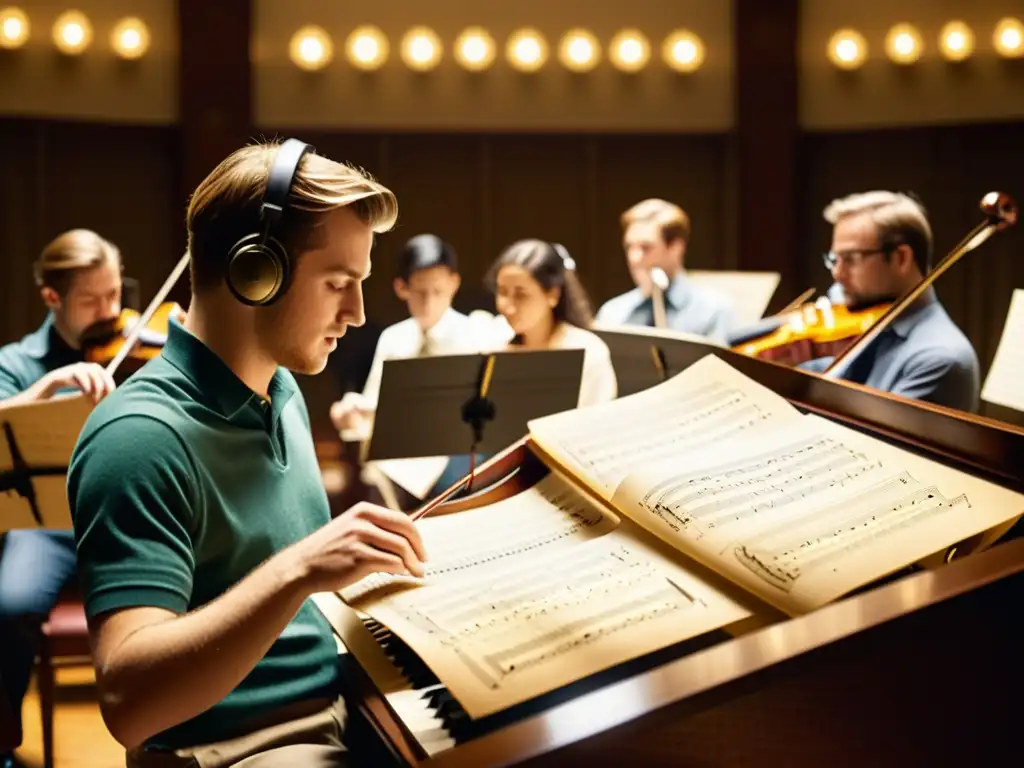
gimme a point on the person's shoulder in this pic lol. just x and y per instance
(395, 333)
(712, 299)
(941, 339)
(585, 339)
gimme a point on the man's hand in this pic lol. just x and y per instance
(364, 540)
(352, 415)
(91, 379)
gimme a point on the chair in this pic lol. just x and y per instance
(10, 729)
(64, 641)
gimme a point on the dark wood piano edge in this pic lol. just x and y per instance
(708, 678)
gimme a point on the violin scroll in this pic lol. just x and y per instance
(1000, 208)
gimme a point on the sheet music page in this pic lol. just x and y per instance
(750, 292)
(707, 403)
(802, 517)
(1004, 384)
(536, 591)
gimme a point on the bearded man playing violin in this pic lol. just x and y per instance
(881, 249)
(79, 278)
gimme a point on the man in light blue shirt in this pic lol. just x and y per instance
(655, 234)
(881, 249)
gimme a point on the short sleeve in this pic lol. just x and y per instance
(133, 495)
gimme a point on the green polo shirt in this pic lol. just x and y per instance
(24, 362)
(183, 481)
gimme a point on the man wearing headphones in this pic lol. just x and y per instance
(79, 280)
(200, 515)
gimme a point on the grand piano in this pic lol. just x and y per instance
(921, 669)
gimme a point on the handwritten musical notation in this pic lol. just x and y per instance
(703, 406)
(555, 589)
(782, 556)
(506, 621)
(738, 491)
(549, 515)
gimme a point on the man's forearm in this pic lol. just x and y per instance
(166, 673)
(38, 391)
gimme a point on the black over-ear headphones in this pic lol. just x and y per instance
(259, 267)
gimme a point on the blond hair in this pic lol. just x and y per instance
(225, 207)
(899, 218)
(671, 220)
(70, 253)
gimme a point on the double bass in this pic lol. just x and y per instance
(916, 669)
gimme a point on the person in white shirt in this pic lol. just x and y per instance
(545, 306)
(427, 281)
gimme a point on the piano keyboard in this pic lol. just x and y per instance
(429, 713)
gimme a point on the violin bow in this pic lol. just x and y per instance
(1000, 213)
(145, 317)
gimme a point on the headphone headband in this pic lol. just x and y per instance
(281, 177)
(259, 267)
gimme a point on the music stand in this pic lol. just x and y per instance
(458, 404)
(36, 443)
(644, 356)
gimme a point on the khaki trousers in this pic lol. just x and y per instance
(310, 741)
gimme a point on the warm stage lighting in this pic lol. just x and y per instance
(13, 28)
(847, 49)
(475, 49)
(421, 49)
(527, 50)
(311, 48)
(956, 41)
(629, 50)
(579, 50)
(1008, 38)
(366, 48)
(130, 38)
(903, 44)
(72, 32)
(683, 51)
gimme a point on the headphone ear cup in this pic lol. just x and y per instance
(257, 273)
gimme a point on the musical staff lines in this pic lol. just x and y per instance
(510, 620)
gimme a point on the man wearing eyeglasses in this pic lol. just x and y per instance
(881, 249)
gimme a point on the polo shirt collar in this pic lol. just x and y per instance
(212, 376)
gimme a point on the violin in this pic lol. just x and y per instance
(823, 329)
(807, 332)
(102, 342)
(126, 343)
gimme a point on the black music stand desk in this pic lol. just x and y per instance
(446, 405)
(36, 443)
(644, 356)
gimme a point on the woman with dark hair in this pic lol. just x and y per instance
(544, 306)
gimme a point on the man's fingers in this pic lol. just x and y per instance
(387, 541)
(372, 560)
(396, 522)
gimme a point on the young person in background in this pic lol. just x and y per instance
(427, 281)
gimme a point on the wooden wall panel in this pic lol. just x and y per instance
(120, 181)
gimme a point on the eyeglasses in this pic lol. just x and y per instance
(853, 256)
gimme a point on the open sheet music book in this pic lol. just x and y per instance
(681, 509)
